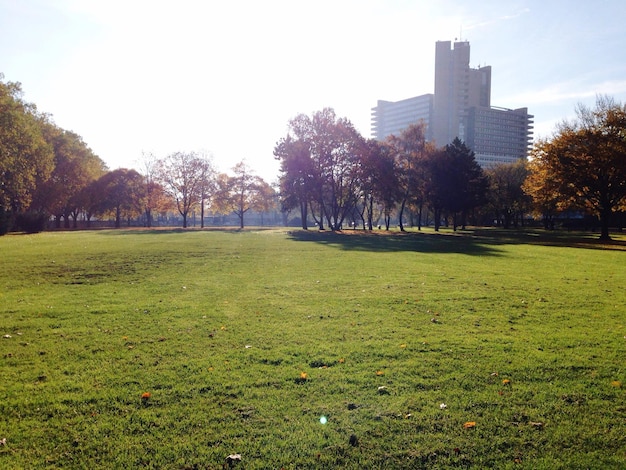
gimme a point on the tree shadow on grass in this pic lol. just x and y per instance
(171, 230)
(476, 242)
(563, 239)
(398, 241)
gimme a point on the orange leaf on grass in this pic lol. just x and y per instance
(379, 373)
(470, 424)
(145, 395)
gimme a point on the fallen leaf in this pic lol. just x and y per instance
(145, 396)
(470, 424)
(379, 373)
(233, 459)
(506, 382)
(616, 384)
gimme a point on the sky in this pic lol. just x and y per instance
(224, 77)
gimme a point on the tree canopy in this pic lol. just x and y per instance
(584, 163)
(25, 155)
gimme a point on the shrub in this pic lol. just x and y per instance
(31, 222)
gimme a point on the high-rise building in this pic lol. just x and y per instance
(460, 107)
(390, 117)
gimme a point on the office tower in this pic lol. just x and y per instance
(390, 117)
(460, 107)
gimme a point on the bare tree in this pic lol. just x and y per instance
(240, 193)
(185, 177)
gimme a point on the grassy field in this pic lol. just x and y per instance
(171, 349)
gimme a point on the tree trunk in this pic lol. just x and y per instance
(370, 214)
(605, 218)
(304, 214)
(400, 215)
(117, 217)
(437, 215)
(202, 213)
(419, 216)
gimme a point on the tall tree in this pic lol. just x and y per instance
(379, 182)
(540, 186)
(456, 183)
(410, 151)
(25, 156)
(240, 193)
(506, 198)
(184, 177)
(75, 166)
(121, 192)
(586, 160)
(328, 152)
(296, 167)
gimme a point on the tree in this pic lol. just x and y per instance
(185, 177)
(506, 196)
(541, 187)
(240, 193)
(456, 183)
(296, 178)
(410, 151)
(25, 156)
(75, 166)
(320, 162)
(586, 161)
(379, 181)
(121, 192)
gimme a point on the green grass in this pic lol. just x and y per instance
(522, 333)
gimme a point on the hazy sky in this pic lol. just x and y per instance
(133, 76)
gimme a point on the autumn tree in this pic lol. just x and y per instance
(539, 185)
(121, 192)
(456, 183)
(240, 193)
(25, 156)
(185, 178)
(506, 197)
(322, 149)
(379, 182)
(296, 178)
(410, 151)
(152, 189)
(75, 166)
(585, 160)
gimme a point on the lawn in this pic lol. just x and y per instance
(292, 349)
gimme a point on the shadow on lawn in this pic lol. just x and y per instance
(398, 241)
(477, 242)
